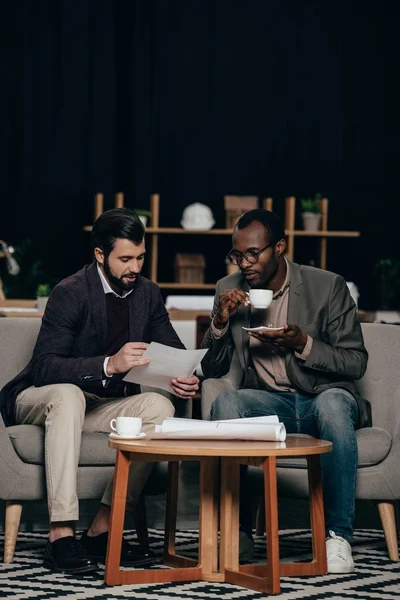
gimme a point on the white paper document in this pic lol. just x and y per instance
(166, 363)
(255, 428)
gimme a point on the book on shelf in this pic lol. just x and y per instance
(266, 428)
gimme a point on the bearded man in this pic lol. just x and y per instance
(96, 327)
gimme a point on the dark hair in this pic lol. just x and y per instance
(114, 224)
(273, 225)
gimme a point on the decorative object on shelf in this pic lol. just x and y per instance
(387, 274)
(22, 284)
(236, 206)
(197, 216)
(42, 295)
(189, 268)
(13, 268)
(311, 212)
(143, 215)
(353, 289)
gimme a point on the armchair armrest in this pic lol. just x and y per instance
(11, 466)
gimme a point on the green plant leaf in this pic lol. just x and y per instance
(143, 212)
(311, 205)
(43, 290)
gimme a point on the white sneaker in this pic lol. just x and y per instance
(338, 551)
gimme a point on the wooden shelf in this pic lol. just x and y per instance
(180, 230)
(298, 232)
(179, 314)
(10, 303)
(326, 233)
(187, 286)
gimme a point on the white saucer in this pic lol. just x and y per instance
(116, 436)
(262, 328)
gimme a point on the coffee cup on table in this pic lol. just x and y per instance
(260, 298)
(126, 426)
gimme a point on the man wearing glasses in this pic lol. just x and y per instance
(303, 372)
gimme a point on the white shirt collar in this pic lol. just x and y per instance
(107, 288)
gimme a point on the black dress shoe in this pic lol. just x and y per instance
(131, 556)
(66, 555)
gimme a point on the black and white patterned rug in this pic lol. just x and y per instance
(375, 577)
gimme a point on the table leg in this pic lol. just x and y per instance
(216, 520)
(208, 518)
(117, 517)
(229, 542)
(271, 525)
(171, 510)
(317, 516)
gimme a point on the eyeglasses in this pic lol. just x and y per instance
(250, 256)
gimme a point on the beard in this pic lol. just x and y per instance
(264, 277)
(119, 282)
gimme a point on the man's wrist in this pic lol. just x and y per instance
(110, 367)
(300, 347)
(218, 323)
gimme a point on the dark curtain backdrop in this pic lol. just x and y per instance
(195, 99)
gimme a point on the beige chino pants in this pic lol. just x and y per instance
(65, 411)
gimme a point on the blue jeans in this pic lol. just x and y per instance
(331, 415)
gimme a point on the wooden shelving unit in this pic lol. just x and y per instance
(323, 233)
(155, 231)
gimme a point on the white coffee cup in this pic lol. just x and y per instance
(260, 298)
(126, 426)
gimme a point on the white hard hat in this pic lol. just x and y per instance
(197, 216)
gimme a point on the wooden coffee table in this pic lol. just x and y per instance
(210, 453)
(266, 577)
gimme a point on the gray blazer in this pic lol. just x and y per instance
(72, 340)
(321, 305)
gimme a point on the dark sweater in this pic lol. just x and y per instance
(117, 310)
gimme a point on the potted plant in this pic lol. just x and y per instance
(42, 295)
(310, 210)
(143, 215)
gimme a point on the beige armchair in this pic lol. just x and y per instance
(22, 476)
(378, 476)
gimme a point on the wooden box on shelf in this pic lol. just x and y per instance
(231, 268)
(189, 268)
(236, 206)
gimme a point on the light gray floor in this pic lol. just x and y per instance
(293, 514)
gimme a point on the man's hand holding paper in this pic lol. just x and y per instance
(185, 387)
(128, 357)
(169, 368)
